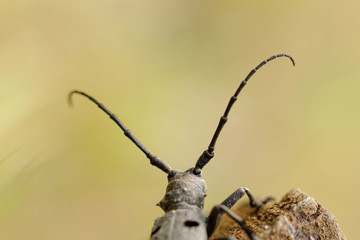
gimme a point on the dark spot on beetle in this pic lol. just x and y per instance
(171, 174)
(197, 171)
(191, 224)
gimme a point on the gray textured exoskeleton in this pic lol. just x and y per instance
(183, 202)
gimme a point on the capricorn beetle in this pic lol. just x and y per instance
(183, 202)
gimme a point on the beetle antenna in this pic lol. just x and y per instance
(209, 153)
(154, 160)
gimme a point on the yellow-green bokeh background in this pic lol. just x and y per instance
(168, 68)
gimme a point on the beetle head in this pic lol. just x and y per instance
(185, 190)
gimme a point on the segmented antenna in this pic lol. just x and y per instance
(209, 153)
(154, 160)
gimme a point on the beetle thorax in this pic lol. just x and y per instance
(185, 190)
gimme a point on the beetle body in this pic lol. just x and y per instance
(183, 204)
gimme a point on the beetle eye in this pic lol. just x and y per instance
(197, 171)
(171, 174)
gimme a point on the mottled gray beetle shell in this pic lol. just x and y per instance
(180, 224)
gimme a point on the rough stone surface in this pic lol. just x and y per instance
(297, 216)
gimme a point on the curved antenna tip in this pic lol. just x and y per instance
(70, 102)
(292, 60)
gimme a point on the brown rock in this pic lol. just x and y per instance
(297, 216)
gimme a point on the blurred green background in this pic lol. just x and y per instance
(168, 69)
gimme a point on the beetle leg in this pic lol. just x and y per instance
(239, 193)
(214, 219)
(234, 197)
(254, 202)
